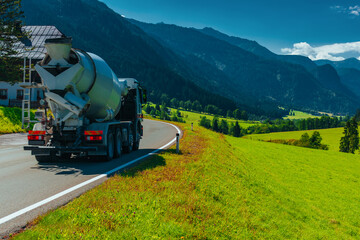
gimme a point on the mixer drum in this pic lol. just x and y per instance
(83, 74)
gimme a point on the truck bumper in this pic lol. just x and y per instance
(53, 150)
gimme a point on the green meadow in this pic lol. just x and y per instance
(219, 187)
(300, 115)
(330, 136)
(193, 117)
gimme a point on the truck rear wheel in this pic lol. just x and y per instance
(110, 149)
(42, 159)
(136, 139)
(46, 159)
(118, 143)
(129, 147)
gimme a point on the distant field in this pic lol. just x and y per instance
(195, 118)
(291, 192)
(300, 115)
(330, 136)
(220, 187)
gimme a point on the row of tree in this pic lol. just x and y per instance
(282, 125)
(222, 126)
(162, 112)
(305, 141)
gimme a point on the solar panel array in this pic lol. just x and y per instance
(34, 45)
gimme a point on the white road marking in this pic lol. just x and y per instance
(69, 190)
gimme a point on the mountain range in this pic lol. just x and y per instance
(201, 64)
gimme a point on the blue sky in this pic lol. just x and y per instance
(276, 24)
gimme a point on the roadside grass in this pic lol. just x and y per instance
(219, 187)
(10, 120)
(300, 115)
(329, 136)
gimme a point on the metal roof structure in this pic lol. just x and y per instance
(34, 45)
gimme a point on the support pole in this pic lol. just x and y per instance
(192, 128)
(177, 143)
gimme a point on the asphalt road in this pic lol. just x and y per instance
(24, 182)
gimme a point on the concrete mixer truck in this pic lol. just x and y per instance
(93, 113)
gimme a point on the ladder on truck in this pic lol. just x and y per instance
(27, 84)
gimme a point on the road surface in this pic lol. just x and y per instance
(27, 188)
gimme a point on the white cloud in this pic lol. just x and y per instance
(322, 52)
(354, 11)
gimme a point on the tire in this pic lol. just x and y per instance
(66, 156)
(47, 159)
(42, 159)
(118, 143)
(110, 149)
(129, 147)
(136, 143)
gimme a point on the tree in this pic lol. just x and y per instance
(244, 115)
(237, 130)
(215, 124)
(205, 122)
(10, 33)
(196, 106)
(350, 141)
(188, 105)
(305, 139)
(229, 114)
(224, 127)
(237, 114)
(315, 140)
(174, 103)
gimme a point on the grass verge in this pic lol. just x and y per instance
(219, 187)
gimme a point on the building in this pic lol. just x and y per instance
(32, 48)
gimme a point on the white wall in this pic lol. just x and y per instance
(12, 92)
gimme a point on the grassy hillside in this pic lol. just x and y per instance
(330, 136)
(10, 120)
(220, 187)
(299, 115)
(193, 117)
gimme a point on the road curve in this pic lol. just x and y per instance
(25, 184)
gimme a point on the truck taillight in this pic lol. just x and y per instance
(36, 132)
(91, 135)
(35, 137)
(93, 138)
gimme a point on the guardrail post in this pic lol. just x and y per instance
(177, 143)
